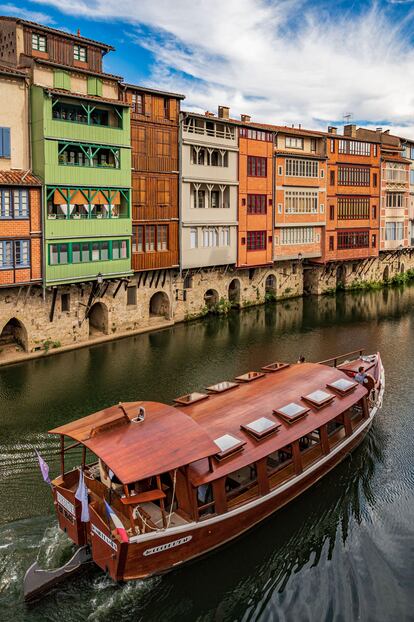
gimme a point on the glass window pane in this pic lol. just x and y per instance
(76, 256)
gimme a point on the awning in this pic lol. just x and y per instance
(79, 198)
(59, 198)
(98, 199)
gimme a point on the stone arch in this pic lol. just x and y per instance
(234, 291)
(14, 333)
(98, 319)
(270, 284)
(211, 298)
(159, 305)
(386, 273)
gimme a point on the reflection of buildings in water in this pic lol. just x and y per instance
(319, 309)
(289, 315)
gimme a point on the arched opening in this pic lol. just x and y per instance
(386, 273)
(234, 292)
(98, 319)
(13, 336)
(270, 286)
(159, 305)
(402, 268)
(340, 276)
(211, 298)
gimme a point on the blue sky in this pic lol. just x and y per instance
(282, 61)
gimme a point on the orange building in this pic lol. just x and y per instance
(300, 193)
(255, 237)
(353, 195)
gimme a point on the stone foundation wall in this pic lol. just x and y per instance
(153, 300)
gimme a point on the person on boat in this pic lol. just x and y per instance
(361, 376)
(301, 359)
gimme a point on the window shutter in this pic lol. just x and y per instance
(61, 80)
(5, 142)
(95, 86)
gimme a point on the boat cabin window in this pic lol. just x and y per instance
(310, 447)
(336, 430)
(205, 500)
(241, 485)
(356, 414)
(280, 466)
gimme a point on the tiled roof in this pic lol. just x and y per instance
(96, 98)
(62, 33)
(146, 89)
(12, 71)
(395, 158)
(19, 178)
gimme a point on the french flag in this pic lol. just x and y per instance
(119, 528)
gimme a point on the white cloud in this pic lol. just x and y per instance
(33, 16)
(247, 54)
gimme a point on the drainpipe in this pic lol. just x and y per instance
(274, 199)
(180, 179)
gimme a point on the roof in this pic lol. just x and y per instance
(226, 412)
(62, 33)
(165, 440)
(96, 98)
(171, 437)
(138, 87)
(395, 158)
(12, 71)
(19, 178)
(75, 69)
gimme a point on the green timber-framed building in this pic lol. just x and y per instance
(80, 149)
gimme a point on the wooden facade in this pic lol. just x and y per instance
(154, 141)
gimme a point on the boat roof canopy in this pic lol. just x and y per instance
(165, 440)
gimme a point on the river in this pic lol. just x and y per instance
(343, 551)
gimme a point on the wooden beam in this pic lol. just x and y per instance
(324, 439)
(62, 455)
(118, 287)
(297, 458)
(52, 308)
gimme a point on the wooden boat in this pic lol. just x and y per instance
(189, 478)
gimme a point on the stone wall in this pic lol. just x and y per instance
(158, 299)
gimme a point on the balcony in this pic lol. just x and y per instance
(212, 132)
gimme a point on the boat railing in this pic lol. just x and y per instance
(334, 360)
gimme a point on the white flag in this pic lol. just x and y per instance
(82, 496)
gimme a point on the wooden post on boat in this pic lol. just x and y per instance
(131, 512)
(162, 505)
(347, 422)
(324, 439)
(365, 408)
(297, 458)
(62, 454)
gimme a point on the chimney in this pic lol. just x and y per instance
(332, 129)
(245, 118)
(350, 130)
(78, 33)
(224, 112)
(379, 130)
(209, 114)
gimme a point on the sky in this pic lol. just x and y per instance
(317, 63)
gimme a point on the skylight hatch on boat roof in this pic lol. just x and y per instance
(261, 428)
(220, 387)
(275, 367)
(251, 375)
(319, 398)
(343, 385)
(228, 445)
(190, 398)
(291, 412)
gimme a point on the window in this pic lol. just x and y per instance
(353, 208)
(142, 141)
(394, 230)
(294, 142)
(256, 240)
(150, 238)
(6, 254)
(4, 142)
(210, 237)
(256, 167)
(297, 235)
(79, 53)
(188, 282)
(85, 252)
(412, 153)
(352, 239)
(301, 201)
(193, 238)
(353, 176)
(38, 42)
(256, 134)
(86, 154)
(76, 254)
(166, 108)
(412, 177)
(331, 242)
(119, 249)
(22, 253)
(332, 178)
(256, 204)
(132, 295)
(225, 236)
(374, 241)
(331, 212)
(313, 144)
(395, 199)
(200, 199)
(374, 212)
(163, 143)
(58, 254)
(163, 192)
(138, 239)
(395, 173)
(215, 199)
(332, 145)
(94, 86)
(375, 180)
(5, 204)
(140, 189)
(138, 103)
(162, 237)
(87, 113)
(301, 168)
(354, 147)
(65, 302)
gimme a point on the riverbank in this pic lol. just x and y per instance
(36, 323)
